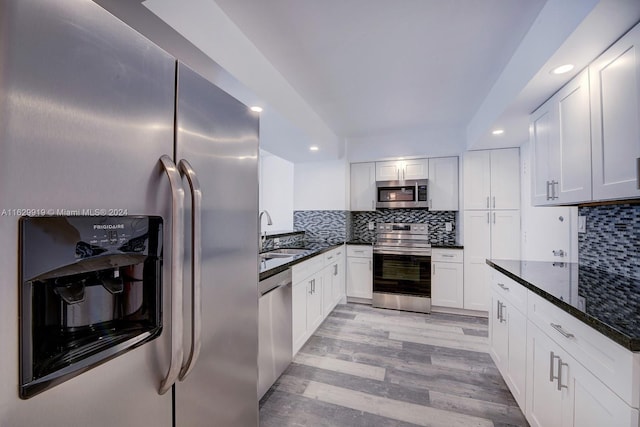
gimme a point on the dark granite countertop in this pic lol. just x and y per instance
(274, 266)
(608, 302)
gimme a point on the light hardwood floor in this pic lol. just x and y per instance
(373, 367)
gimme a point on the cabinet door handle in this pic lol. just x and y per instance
(502, 318)
(430, 204)
(562, 331)
(494, 217)
(487, 202)
(503, 286)
(488, 218)
(372, 205)
(335, 270)
(560, 365)
(433, 269)
(370, 266)
(552, 377)
(548, 192)
(494, 202)
(498, 303)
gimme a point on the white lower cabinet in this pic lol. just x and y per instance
(563, 393)
(508, 343)
(360, 271)
(447, 284)
(306, 310)
(561, 372)
(318, 285)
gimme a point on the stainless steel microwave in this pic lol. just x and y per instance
(411, 193)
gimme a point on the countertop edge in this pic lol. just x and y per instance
(296, 259)
(629, 343)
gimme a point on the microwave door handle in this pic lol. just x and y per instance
(196, 267)
(415, 196)
(177, 254)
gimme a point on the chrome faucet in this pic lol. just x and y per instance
(263, 236)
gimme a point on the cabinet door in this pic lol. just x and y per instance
(338, 280)
(477, 179)
(477, 248)
(314, 302)
(505, 179)
(415, 169)
(615, 119)
(593, 404)
(327, 289)
(516, 377)
(544, 400)
(299, 315)
(505, 234)
(443, 184)
(541, 131)
(388, 171)
(498, 334)
(447, 284)
(572, 157)
(360, 277)
(363, 187)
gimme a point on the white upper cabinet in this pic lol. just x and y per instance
(400, 170)
(492, 179)
(615, 119)
(560, 137)
(443, 184)
(363, 186)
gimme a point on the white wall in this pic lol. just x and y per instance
(543, 231)
(276, 191)
(321, 185)
(416, 143)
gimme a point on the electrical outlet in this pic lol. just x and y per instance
(372, 225)
(582, 224)
(276, 242)
(448, 226)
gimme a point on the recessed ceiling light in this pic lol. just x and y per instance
(498, 132)
(256, 109)
(314, 148)
(562, 69)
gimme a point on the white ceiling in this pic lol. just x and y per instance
(383, 66)
(381, 78)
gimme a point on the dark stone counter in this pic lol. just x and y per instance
(608, 302)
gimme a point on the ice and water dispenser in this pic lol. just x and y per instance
(90, 289)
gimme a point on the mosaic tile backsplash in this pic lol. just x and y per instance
(612, 238)
(329, 226)
(436, 220)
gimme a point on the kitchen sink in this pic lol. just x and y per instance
(288, 251)
(282, 253)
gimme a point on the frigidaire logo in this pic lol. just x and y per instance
(108, 226)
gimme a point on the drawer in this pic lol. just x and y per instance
(306, 268)
(446, 255)
(510, 290)
(614, 365)
(362, 251)
(333, 255)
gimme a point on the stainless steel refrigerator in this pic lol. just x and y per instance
(95, 120)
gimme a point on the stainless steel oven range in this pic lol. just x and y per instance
(402, 267)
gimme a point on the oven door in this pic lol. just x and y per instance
(405, 274)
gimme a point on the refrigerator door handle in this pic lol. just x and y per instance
(177, 255)
(196, 252)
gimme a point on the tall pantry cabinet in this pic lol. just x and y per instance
(491, 217)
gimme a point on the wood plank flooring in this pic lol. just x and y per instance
(384, 368)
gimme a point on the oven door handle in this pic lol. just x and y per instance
(392, 252)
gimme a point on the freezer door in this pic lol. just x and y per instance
(218, 136)
(86, 111)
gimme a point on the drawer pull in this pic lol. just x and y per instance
(503, 286)
(562, 331)
(447, 255)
